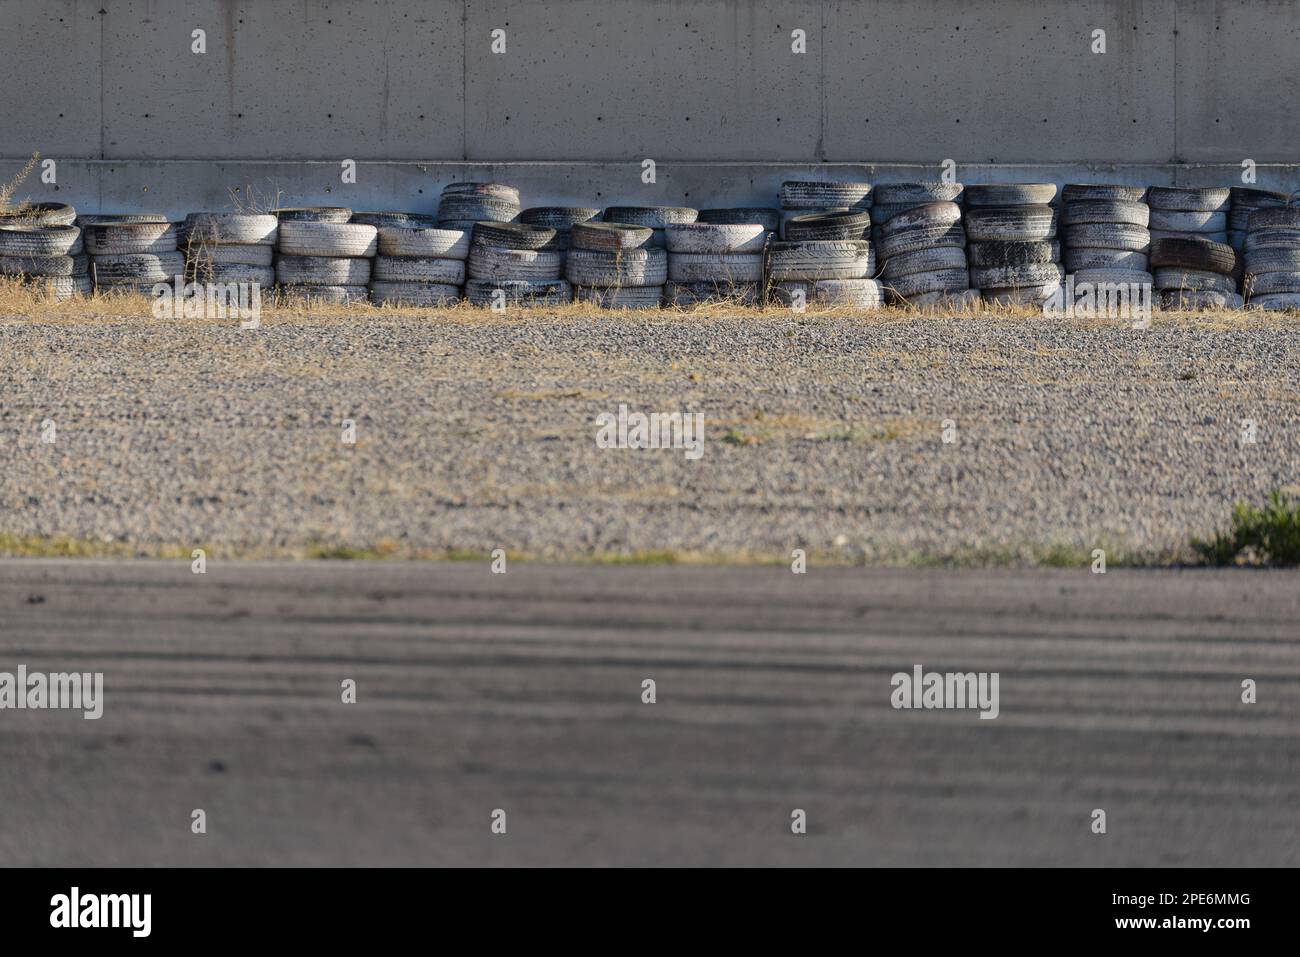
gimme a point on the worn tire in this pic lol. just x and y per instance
(1194, 221)
(330, 295)
(1221, 238)
(1117, 276)
(715, 267)
(1010, 194)
(1273, 237)
(1013, 277)
(1121, 236)
(298, 238)
(938, 280)
(1010, 223)
(1195, 299)
(111, 219)
(37, 265)
(1020, 295)
(656, 217)
(1089, 258)
(1213, 199)
(263, 276)
(1013, 254)
(923, 260)
(925, 216)
(915, 194)
(683, 294)
(137, 268)
(233, 255)
(38, 214)
(1193, 254)
(628, 267)
(1196, 279)
(322, 270)
(511, 235)
(769, 219)
(1106, 211)
(802, 194)
(312, 214)
(231, 228)
(527, 292)
(558, 217)
(399, 220)
(1287, 217)
(853, 293)
(38, 241)
(715, 238)
(814, 226)
(499, 264)
(384, 293)
(1086, 192)
(419, 269)
(115, 239)
(1276, 302)
(922, 237)
(820, 259)
(1271, 283)
(620, 297)
(430, 243)
(609, 237)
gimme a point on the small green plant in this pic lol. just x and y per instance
(1259, 536)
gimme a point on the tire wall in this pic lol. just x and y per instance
(712, 90)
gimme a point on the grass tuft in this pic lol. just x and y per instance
(1258, 536)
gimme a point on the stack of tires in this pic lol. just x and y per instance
(41, 245)
(1013, 253)
(1243, 203)
(1194, 274)
(1189, 213)
(230, 247)
(510, 264)
(712, 261)
(562, 219)
(825, 272)
(464, 204)
(617, 265)
(923, 257)
(804, 198)
(656, 218)
(323, 256)
(131, 253)
(1106, 234)
(1272, 258)
(890, 199)
(419, 263)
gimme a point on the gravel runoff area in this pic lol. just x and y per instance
(477, 431)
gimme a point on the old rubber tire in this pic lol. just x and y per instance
(802, 194)
(854, 293)
(1085, 257)
(813, 226)
(137, 268)
(608, 237)
(312, 214)
(1197, 299)
(539, 292)
(915, 194)
(922, 237)
(414, 293)
(1213, 199)
(498, 264)
(1010, 223)
(398, 219)
(715, 267)
(444, 272)
(1106, 211)
(715, 238)
(938, 280)
(1108, 236)
(327, 239)
(322, 270)
(923, 260)
(620, 297)
(38, 214)
(38, 241)
(328, 295)
(627, 267)
(231, 228)
(221, 254)
(511, 235)
(1193, 254)
(769, 219)
(820, 259)
(432, 243)
(1010, 194)
(683, 294)
(1013, 254)
(1010, 277)
(1168, 277)
(1086, 192)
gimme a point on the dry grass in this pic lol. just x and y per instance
(13, 212)
(23, 301)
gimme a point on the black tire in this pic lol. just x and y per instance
(1271, 283)
(511, 235)
(1189, 199)
(1113, 276)
(500, 264)
(1084, 257)
(848, 225)
(769, 219)
(426, 294)
(627, 267)
(1188, 221)
(1198, 279)
(1010, 194)
(715, 267)
(915, 194)
(716, 238)
(1273, 259)
(419, 269)
(38, 241)
(608, 237)
(683, 294)
(231, 228)
(322, 270)
(923, 260)
(1108, 236)
(920, 283)
(1087, 192)
(312, 214)
(1287, 217)
(802, 194)
(108, 219)
(313, 238)
(1197, 299)
(925, 216)
(1106, 211)
(115, 239)
(820, 259)
(922, 237)
(656, 217)
(37, 265)
(620, 297)
(1014, 277)
(854, 293)
(558, 217)
(398, 219)
(1277, 302)
(134, 268)
(219, 254)
(1010, 223)
(1256, 198)
(430, 243)
(541, 292)
(327, 295)
(1013, 254)
(1197, 254)
(38, 214)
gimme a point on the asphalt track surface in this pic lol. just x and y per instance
(522, 692)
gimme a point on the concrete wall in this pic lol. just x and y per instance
(586, 89)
